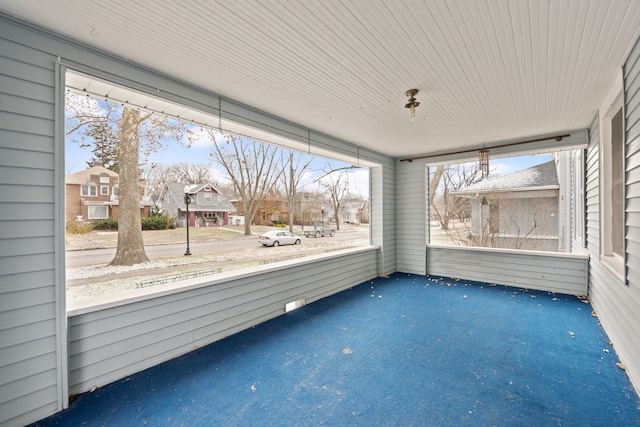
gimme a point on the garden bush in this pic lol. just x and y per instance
(105, 224)
(155, 222)
(79, 227)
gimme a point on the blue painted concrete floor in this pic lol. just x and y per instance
(404, 350)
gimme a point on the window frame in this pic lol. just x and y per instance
(88, 187)
(614, 104)
(95, 207)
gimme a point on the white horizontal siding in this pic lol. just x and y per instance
(109, 343)
(617, 301)
(411, 215)
(28, 332)
(554, 272)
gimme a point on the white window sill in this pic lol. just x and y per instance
(615, 264)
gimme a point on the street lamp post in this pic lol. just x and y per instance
(187, 202)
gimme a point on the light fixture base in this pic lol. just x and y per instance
(412, 93)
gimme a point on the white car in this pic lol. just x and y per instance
(277, 238)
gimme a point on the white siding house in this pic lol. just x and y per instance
(50, 349)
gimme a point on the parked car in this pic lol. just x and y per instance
(277, 238)
(319, 230)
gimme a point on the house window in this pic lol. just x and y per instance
(494, 218)
(89, 190)
(116, 191)
(104, 190)
(612, 166)
(617, 188)
(208, 198)
(98, 212)
(578, 194)
(104, 180)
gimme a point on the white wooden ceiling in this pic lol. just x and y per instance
(487, 70)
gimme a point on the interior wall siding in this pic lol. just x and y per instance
(615, 301)
(411, 215)
(554, 272)
(28, 332)
(110, 343)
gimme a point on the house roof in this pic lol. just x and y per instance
(487, 71)
(543, 176)
(176, 191)
(84, 176)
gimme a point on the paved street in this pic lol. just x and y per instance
(81, 258)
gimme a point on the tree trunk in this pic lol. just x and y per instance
(130, 249)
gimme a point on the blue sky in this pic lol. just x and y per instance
(76, 159)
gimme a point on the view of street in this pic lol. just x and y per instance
(213, 250)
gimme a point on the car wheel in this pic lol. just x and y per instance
(297, 242)
(276, 244)
(333, 233)
(317, 234)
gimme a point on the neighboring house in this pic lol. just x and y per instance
(350, 212)
(208, 207)
(270, 211)
(516, 211)
(363, 213)
(93, 194)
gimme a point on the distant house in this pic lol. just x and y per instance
(93, 194)
(363, 213)
(208, 207)
(352, 212)
(517, 211)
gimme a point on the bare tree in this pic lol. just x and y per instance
(139, 133)
(445, 179)
(252, 167)
(130, 248)
(187, 173)
(294, 166)
(336, 185)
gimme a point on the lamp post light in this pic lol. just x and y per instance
(187, 202)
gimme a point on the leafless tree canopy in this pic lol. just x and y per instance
(293, 170)
(254, 169)
(336, 185)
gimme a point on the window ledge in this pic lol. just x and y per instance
(510, 251)
(615, 265)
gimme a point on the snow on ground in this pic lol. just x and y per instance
(132, 276)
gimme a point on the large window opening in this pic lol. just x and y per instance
(524, 203)
(202, 196)
(617, 188)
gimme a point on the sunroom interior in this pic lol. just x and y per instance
(333, 79)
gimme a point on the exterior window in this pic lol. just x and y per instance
(208, 198)
(89, 190)
(617, 188)
(578, 194)
(104, 190)
(518, 206)
(116, 191)
(98, 212)
(104, 180)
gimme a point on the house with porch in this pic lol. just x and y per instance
(393, 86)
(208, 207)
(519, 210)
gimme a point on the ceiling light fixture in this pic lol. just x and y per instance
(412, 103)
